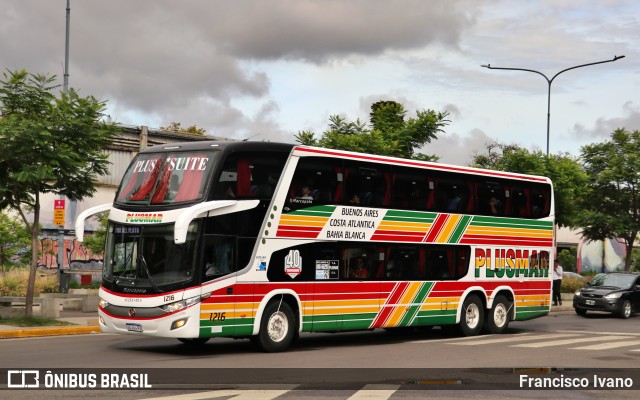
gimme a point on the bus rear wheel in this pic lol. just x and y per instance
(499, 315)
(277, 328)
(472, 316)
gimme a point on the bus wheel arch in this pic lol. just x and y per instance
(472, 314)
(278, 326)
(500, 313)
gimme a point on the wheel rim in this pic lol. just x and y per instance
(627, 309)
(278, 326)
(500, 315)
(473, 316)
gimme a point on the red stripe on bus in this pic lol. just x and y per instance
(433, 233)
(297, 234)
(386, 311)
(397, 238)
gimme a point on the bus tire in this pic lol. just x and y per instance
(194, 341)
(499, 315)
(277, 328)
(472, 316)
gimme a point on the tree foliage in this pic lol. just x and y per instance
(95, 242)
(176, 127)
(388, 133)
(13, 238)
(612, 202)
(49, 145)
(565, 171)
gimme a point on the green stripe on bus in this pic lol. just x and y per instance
(417, 301)
(525, 313)
(510, 223)
(460, 229)
(441, 318)
(318, 211)
(397, 215)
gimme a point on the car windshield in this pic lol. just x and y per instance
(621, 281)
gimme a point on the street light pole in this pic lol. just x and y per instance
(549, 81)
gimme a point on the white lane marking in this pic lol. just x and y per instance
(375, 392)
(238, 394)
(612, 345)
(517, 338)
(572, 341)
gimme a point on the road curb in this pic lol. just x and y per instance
(49, 331)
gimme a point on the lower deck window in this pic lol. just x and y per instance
(365, 261)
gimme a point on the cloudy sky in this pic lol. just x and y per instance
(268, 69)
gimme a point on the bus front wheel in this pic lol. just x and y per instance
(277, 328)
(472, 316)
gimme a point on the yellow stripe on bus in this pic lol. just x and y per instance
(399, 310)
(478, 230)
(346, 303)
(448, 228)
(404, 226)
(344, 310)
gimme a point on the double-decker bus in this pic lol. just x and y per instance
(267, 240)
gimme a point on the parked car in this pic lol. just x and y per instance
(615, 292)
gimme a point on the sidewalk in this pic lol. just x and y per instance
(84, 322)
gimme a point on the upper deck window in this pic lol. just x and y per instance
(167, 178)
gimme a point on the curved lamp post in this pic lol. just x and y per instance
(549, 81)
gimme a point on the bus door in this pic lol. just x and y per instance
(220, 311)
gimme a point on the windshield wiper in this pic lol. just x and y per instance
(146, 270)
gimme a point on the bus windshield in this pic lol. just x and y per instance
(146, 258)
(166, 178)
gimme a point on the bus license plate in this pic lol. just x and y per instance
(590, 302)
(134, 327)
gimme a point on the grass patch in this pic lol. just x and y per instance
(33, 321)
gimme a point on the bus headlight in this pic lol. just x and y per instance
(180, 305)
(103, 303)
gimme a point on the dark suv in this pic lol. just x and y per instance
(615, 292)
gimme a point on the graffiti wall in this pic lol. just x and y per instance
(72, 251)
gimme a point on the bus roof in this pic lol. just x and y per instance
(220, 145)
(303, 151)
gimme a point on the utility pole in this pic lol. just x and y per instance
(65, 89)
(549, 82)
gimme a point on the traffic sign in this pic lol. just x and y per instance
(58, 212)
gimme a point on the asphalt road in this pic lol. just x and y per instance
(561, 345)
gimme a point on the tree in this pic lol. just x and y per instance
(13, 238)
(176, 127)
(390, 133)
(565, 171)
(612, 201)
(49, 145)
(95, 242)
